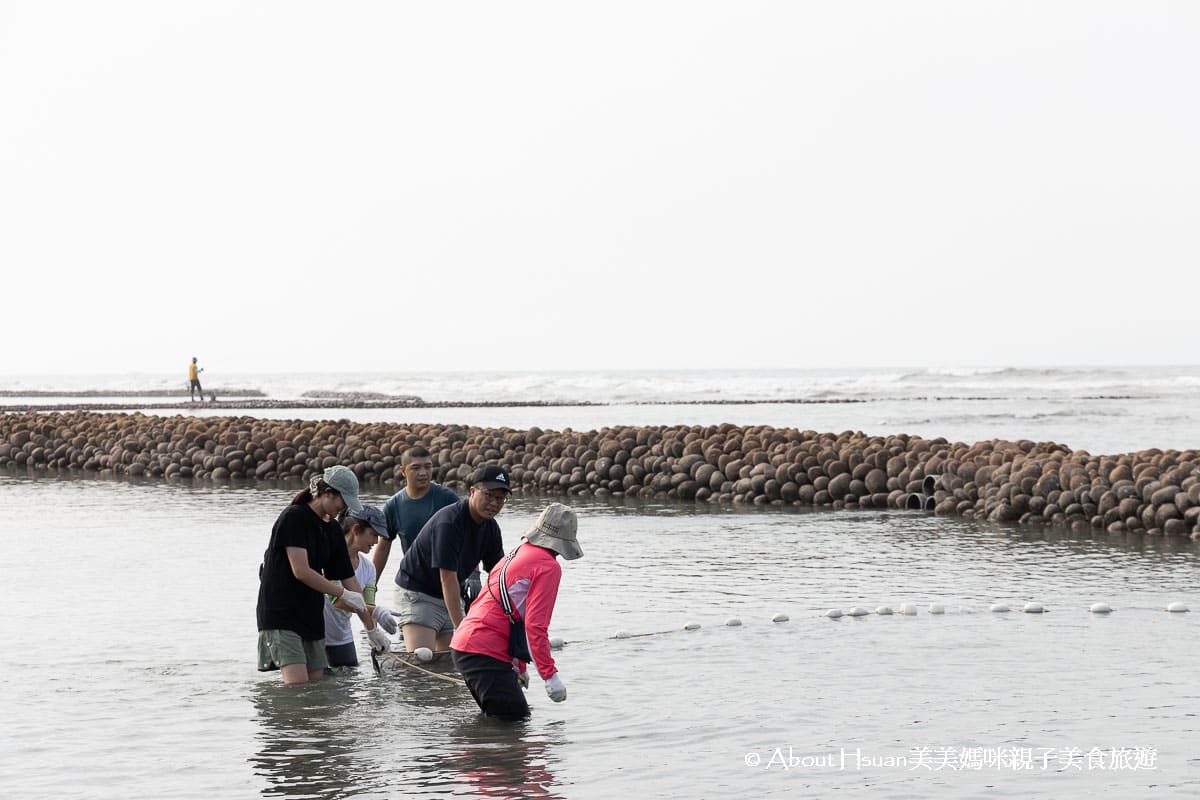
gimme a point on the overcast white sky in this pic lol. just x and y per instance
(386, 186)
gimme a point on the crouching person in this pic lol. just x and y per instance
(507, 625)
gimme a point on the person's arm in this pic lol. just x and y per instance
(539, 608)
(379, 558)
(298, 559)
(493, 550)
(368, 619)
(452, 595)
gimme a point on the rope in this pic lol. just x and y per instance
(399, 658)
(640, 635)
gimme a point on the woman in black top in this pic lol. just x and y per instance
(304, 557)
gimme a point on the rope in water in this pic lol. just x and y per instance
(400, 659)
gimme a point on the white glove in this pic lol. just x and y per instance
(353, 599)
(555, 688)
(380, 641)
(523, 679)
(383, 617)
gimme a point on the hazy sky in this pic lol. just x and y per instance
(391, 185)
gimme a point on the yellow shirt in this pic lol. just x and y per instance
(192, 373)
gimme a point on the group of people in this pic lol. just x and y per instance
(316, 575)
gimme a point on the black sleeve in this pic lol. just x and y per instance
(493, 548)
(339, 567)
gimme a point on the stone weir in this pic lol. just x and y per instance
(1152, 491)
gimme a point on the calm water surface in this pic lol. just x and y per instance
(129, 636)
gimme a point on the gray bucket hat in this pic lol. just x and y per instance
(345, 482)
(373, 518)
(556, 530)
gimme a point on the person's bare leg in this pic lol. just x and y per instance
(295, 673)
(419, 636)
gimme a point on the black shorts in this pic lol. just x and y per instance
(342, 655)
(493, 684)
(195, 385)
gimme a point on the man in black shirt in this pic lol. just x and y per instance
(445, 552)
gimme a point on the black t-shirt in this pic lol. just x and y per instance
(284, 603)
(449, 540)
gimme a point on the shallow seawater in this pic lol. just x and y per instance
(129, 638)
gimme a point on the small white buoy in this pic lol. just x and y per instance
(858, 611)
(999, 608)
(908, 609)
(1033, 608)
(733, 622)
(1100, 608)
(780, 617)
(1177, 608)
(622, 634)
(556, 643)
(937, 608)
(884, 611)
(423, 654)
(692, 626)
(834, 613)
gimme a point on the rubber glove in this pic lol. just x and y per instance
(380, 641)
(523, 679)
(353, 599)
(555, 688)
(385, 619)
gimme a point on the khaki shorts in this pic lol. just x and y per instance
(278, 648)
(418, 608)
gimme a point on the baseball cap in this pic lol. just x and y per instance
(493, 478)
(373, 517)
(344, 482)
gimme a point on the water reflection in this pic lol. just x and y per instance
(307, 741)
(499, 759)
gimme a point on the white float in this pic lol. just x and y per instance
(780, 617)
(937, 608)
(691, 626)
(733, 622)
(999, 608)
(908, 609)
(556, 643)
(1033, 608)
(423, 654)
(858, 611)
(884, 611)
(1177, 608)
(834, 613)
(1100, 608)
(622, 634)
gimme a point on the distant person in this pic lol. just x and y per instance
(305, 555)
(482, 647)
(446, 551)
(194, 371)
(409, 509)
(360, 529)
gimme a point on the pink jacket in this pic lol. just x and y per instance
(533, 578)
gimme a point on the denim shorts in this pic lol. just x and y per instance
(418, 608)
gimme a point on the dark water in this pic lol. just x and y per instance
(129, 636)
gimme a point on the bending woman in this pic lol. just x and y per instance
(481, 645)
(305, 555)
(361, 531)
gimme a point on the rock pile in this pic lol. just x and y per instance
(1152, 491)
